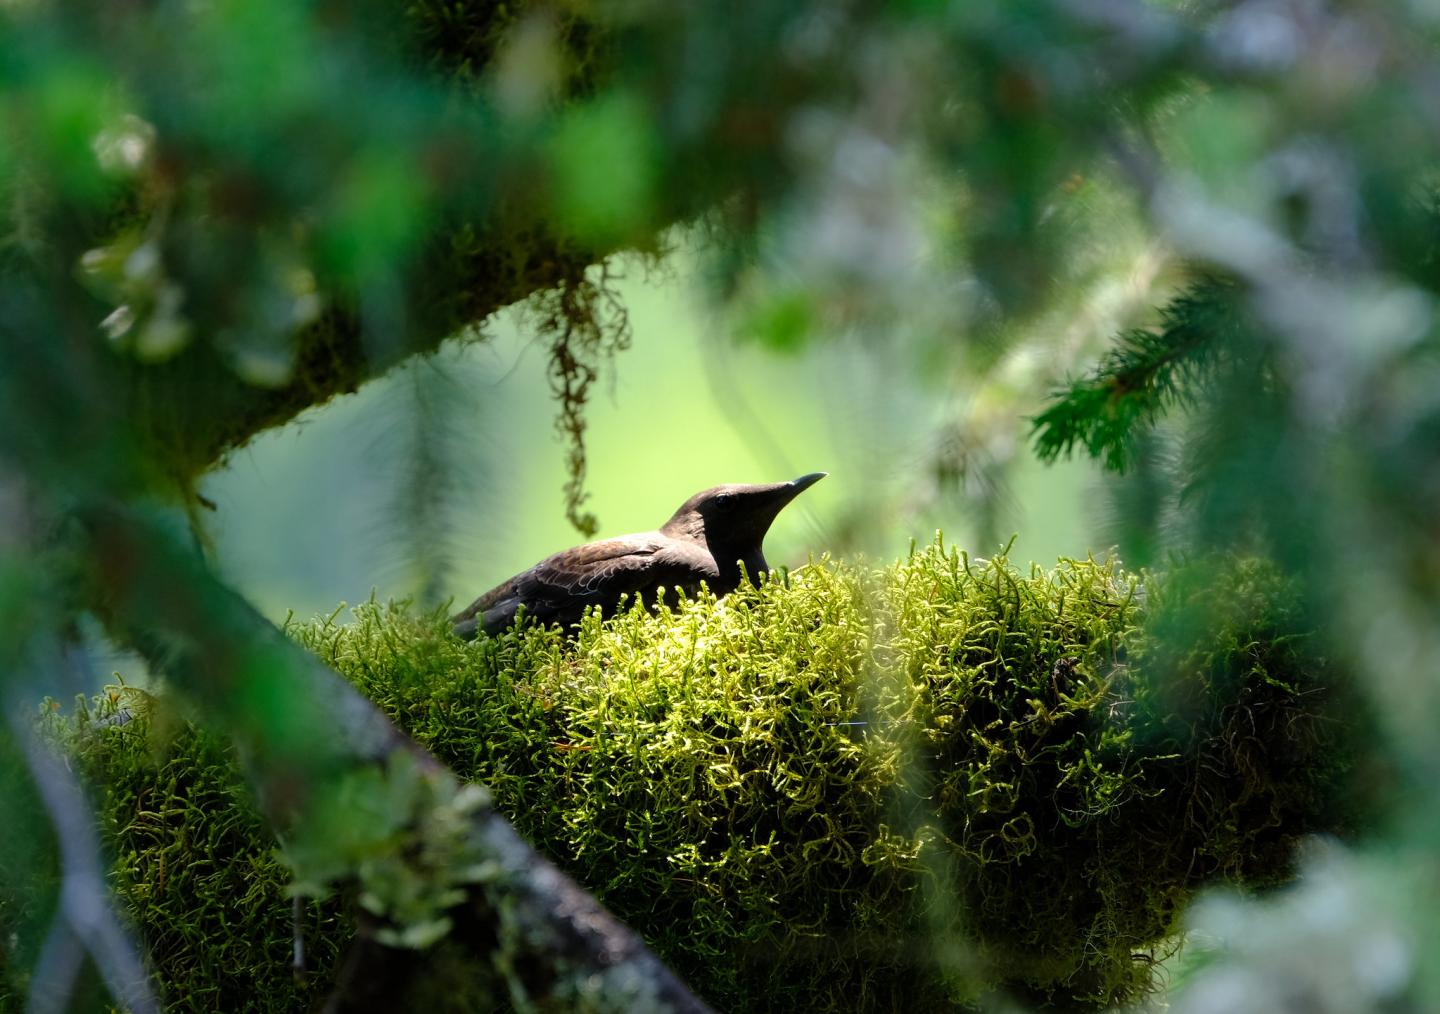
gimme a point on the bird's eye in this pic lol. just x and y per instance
(723, 500)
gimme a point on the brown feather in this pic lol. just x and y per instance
(708, 540)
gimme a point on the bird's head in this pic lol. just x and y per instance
(735, 517)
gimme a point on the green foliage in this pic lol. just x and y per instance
(1146, 373)
(27, 877)
(613, 206)
(1215, 670)
(847, 789)
(194, 865)
(402, 834)
(219, 214)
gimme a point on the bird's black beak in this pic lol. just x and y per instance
(806, 481)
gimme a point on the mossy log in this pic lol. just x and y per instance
(849, 789)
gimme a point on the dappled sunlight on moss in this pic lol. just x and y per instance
(194, 864)
(849, 788)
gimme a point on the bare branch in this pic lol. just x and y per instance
(85, 922)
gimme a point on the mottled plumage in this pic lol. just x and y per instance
(707, 539)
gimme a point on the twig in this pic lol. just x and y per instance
(85, 922)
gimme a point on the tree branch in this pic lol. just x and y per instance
(545, 938)
(84, 923)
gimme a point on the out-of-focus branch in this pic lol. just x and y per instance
(84, 922)
(305, 732)
(211, 411)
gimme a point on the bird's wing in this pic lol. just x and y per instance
(501, 591)
(559, 573)
(559, 587)
(578, 571)
(607, 569)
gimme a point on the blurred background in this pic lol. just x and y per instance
(318, 301)
(324, 510)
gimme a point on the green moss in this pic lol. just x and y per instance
(848, 789)
(194, 866)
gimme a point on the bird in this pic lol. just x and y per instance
(709, 538)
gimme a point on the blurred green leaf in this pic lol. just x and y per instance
(604, 166)
(378, 214)
(70, 106)
(784, 322)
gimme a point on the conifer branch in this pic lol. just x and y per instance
(1145, 374)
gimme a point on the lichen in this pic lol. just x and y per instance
(586, 325)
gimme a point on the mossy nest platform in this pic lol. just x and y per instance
(850, 789)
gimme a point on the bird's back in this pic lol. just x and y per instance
(561, 587)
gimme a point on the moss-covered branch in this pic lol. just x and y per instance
(849, 790)
(357, 803)
(237, 289)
